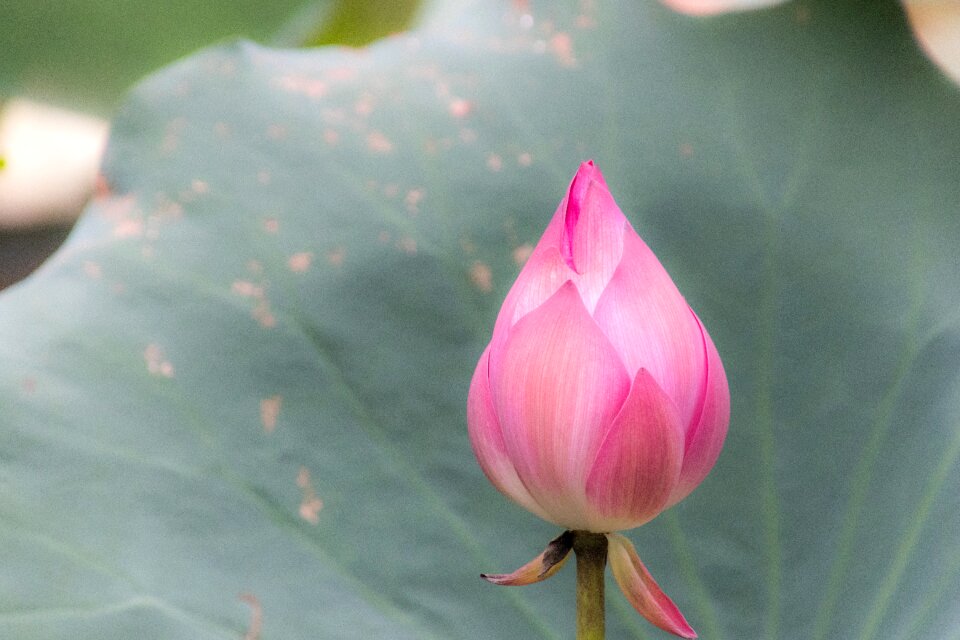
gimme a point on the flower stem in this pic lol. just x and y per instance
(591, 550)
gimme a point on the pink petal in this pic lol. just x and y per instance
(639, 462)
(705, 438)
(540, 568)
(650, 326)
(642, 591)
(596, 243)
(572, 204)
(486, 438)
(554, 235)
(556, 384)
(712, 7)
(544, 273)
(593, 233)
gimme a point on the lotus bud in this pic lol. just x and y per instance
(600, 400)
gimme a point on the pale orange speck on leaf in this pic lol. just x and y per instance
(522, 253)
(561, 45)
(300, 262)
(460, 108)
(157, 364)
(379, 143)
(263, 315)
(256, 616)
(408, 245)
(310, 504)
(412, 200)
(270, 412)
(336, 256)
(246, 289)
(481, 276)
(129, 228)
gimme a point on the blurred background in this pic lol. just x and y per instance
(66, 64)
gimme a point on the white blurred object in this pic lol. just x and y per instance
(936, 24)
(713, 7)
(50, 158)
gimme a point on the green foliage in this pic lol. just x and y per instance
(234, 401)
(86, 53)
(360, 22)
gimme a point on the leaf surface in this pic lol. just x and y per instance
(233, 404)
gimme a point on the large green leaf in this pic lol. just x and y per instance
(330, 233)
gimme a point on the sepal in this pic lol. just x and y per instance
(538, 569)
(642, 591)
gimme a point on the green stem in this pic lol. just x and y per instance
(591, 550)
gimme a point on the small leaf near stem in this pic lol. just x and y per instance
(591, 551)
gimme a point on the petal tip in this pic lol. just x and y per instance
(642, 591)
(540, 568)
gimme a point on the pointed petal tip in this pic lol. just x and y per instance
(642, 591)
(540, 568)
(588, 171)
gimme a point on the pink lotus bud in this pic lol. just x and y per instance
(600, 400)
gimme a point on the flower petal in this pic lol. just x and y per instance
(486, 438)
(540, 568)
(595, 245)
(705, 438)
(556, 385)
(642, 591)
(639, 462)
(649, 323)
(544, 273)
(713, 7)
(593, 233)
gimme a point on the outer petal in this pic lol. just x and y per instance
(705, 438)
(642, 591)
(650, 325)
(486, 438)
(540, 568)
(556, 385)
(638, 464)
(544, 273)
